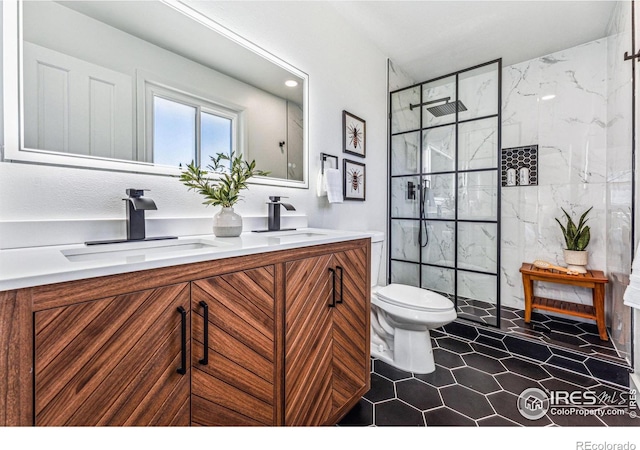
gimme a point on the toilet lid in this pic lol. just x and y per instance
(413, 297)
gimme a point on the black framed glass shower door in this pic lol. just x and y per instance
(444, 199)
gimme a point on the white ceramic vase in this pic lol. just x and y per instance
(227, 223)
(576, 260)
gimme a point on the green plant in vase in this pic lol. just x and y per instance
(576, 238)
(223, 191)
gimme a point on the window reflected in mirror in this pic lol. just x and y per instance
(96, 83)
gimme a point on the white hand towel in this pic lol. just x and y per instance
(632, 292)
(321, 185)
(632, 296)
(334, 185)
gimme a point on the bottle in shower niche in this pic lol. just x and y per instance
(524, 176)
(511, 176)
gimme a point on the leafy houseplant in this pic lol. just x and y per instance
(225, 191)
(576, 238)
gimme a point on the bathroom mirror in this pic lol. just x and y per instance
(146, 86)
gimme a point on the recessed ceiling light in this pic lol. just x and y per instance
(548, 97)
(291, 83)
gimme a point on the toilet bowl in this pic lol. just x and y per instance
(401, 317)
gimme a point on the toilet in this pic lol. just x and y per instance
(401, 317)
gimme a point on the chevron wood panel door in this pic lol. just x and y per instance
(308, 342)
(351, 329)
(235, 385)
(114, 361)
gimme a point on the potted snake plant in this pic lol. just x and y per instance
(576, 238)
(223, 191)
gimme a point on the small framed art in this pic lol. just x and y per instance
(354, 180)
(354, 134)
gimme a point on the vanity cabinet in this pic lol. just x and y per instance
(115, 361)
(278, 338)
(326, 336)
(233, 354)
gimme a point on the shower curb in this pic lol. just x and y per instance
(598, 368)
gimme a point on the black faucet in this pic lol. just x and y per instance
(137, 205)
(274, 212)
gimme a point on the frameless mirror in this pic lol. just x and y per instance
(148, 86)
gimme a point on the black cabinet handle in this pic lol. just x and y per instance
(341, 283)
(183, 369)
(333, 289)
(205, 360)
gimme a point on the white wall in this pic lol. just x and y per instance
(346, 72)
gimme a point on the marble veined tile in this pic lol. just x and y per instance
(404, 240)
(478, 144)
(530, 232)
(478, 90)
(405, 273)
(478, 195)
(398, 78)
(439, 149)
(559, 102)
(478, 286)
(619, 109)
(478, 246)
(403, 117)
(438, 279)
(440, 247)
(405, 153)
(405, 198)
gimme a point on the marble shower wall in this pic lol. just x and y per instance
(619, 175)
(584, 139)
(559, 102)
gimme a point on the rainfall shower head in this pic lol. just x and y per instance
(447, 108)
(441, 110)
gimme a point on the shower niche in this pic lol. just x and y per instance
(444, 169)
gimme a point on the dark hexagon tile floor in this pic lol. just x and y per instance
(473, 385)
(544, 328)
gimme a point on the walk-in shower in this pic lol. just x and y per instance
(445, 189)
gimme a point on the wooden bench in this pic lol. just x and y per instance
(593, 279)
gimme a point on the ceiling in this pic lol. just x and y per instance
(427, 39)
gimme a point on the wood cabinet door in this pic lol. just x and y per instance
(351, 322)
(308, 342)
(327, 361)
(114, 361)
(236, 383)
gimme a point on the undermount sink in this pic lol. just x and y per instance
(141, 251)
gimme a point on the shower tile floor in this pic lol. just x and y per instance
(473, 385)
(563, 332)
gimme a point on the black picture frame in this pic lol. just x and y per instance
(354, 177)
(354, 134)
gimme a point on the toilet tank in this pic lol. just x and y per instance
(377, 239)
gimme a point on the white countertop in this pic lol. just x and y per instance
(35, 266)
